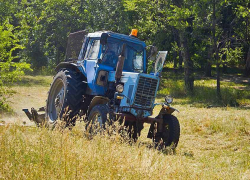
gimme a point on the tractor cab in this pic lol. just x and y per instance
(105, 48)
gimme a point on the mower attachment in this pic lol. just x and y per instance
(36, 117)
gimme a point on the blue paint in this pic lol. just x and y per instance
(130, 78)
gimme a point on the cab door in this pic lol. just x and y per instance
(97, 74)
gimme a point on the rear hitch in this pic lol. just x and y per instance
(38, 118)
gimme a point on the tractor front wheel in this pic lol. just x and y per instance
(97, 118)
(170, 133)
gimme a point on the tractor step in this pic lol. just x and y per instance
(36, 117)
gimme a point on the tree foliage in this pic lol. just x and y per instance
(10, 70)
(196, 33)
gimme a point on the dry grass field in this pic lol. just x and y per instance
(214, 142)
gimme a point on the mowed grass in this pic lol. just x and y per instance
(214, 144)
(30, 91)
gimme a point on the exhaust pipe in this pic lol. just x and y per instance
(120, 64)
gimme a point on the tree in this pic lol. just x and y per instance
(9, 71)
(243, 13)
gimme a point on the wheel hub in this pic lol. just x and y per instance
(59, 101)
(97, 119)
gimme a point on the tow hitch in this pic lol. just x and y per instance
(36, 116)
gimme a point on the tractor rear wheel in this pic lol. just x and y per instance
(65, 98)
(170, 133)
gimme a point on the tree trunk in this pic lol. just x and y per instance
(208, 66)
(224, 68)
(216, 49)
(175, 53)
(208, 69)
(175, 61)
(247, 66)
(180, 53)
(180, 60)
(175, 33)
(188, 64)
(218, 80)
(218, 74)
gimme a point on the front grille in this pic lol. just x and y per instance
(145, 92)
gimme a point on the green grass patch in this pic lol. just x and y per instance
(204, 94)
(34, 81)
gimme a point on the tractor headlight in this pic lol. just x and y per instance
(119, 88)
(168, 99)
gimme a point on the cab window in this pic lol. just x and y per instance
(138, 61)
(93, 50)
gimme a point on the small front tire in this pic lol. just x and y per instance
(170, 133)
(97, 118)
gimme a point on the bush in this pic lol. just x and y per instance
(10, 68)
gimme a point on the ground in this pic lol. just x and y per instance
(214, 142)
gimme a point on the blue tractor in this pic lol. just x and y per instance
(104, 79)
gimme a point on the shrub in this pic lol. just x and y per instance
(10, 68)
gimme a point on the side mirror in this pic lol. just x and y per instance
(104, 38)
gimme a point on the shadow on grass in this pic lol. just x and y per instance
(151, 146)
(199, 75)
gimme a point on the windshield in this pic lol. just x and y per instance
(133, 55)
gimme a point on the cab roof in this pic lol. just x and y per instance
(117, 36)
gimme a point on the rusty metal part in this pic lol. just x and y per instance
(130, 117)
(156, 123)
(28, 114)
(165, 110)
(36, 117)
(155, 129)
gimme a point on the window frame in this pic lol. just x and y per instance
(90, 45)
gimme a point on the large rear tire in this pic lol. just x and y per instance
(64, 98)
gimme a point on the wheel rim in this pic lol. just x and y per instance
(56, 100)
(97, 118)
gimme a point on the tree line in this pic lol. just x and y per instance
(199, 34)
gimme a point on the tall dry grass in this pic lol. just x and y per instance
(214, 144)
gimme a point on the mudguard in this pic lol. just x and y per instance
(97, 100)
(67, 65)
(166, 110)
